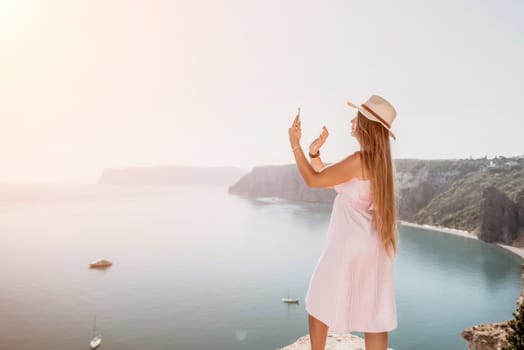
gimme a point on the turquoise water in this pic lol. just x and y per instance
(197, 268)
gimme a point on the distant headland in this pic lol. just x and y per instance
(171, 175)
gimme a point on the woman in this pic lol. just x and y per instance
(352, 286)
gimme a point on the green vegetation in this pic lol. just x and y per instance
(458, 200)
(515, 333)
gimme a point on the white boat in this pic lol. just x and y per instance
(290, 300)
(97, 338)
(102, 263)
(95, 342)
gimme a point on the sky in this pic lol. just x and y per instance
(88, 85)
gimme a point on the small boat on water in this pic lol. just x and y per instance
(102, 263)
(95, 342)
(97, 338)
(290, 300)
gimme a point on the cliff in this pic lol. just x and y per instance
(282, 181)
(501, 218)
(447, 192)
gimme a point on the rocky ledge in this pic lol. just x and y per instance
(333, 342)
(490, 336)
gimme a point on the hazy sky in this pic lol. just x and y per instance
(86, 85)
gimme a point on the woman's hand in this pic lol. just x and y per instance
(295, 132)
(319, 141)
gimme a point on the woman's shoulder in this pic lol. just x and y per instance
(355, 157)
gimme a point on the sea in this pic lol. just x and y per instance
(195, 267)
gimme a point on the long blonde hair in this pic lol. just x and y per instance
(375, 153)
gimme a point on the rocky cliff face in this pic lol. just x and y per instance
(490, 336)
(282, 181)
(499, 217)
(447, 193)
(420, 181)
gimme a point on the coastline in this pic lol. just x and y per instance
(515, 250)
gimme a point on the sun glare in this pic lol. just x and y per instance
(9, 9)
(17, 20)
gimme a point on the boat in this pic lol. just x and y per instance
(97, 338)
(102, 263)
(290, 300)
(95, 342)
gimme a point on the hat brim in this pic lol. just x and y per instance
(371, 117)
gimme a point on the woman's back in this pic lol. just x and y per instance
(351, 288)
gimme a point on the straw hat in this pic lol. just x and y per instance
(379, 110)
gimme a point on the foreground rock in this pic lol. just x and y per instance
(333, 342)
(490, 336)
